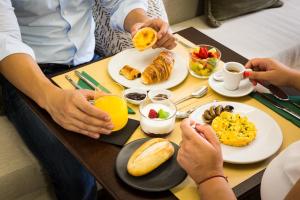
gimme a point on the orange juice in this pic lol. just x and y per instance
(116, 107)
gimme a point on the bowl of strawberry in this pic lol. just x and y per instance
(203, 60)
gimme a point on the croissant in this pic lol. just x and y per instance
(160, 69)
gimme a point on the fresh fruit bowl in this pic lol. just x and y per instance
(203, 60)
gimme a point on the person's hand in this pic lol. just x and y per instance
(200, 151)
(165, 37)
(71, 110)
(272, 71)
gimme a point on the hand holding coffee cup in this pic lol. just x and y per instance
(233, 73)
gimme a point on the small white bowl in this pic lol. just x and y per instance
(153, 93)
(134, 90)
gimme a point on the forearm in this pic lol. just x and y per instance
(135, 16)
(24, 73)
(216, 188)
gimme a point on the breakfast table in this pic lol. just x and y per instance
(99, 157)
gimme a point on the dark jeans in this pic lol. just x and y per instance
(70, 179)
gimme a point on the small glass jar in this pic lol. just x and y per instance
(201, 66)
(157, 127)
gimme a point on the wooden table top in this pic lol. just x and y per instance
(99, 158)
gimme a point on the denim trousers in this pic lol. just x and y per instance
(71, 180)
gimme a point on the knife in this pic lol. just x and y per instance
(92, 85)
(279, 106)
(73, 82)
(280, 94)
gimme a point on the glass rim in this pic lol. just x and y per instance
(201, 45)
(158, 119)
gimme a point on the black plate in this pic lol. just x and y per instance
(165, 177)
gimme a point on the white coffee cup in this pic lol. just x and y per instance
(233, 73)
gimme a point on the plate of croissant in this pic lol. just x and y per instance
(150, 69)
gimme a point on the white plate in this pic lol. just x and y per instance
(268, 138)
(244, 89)
(140, 60)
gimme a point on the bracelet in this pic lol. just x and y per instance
(211, 177)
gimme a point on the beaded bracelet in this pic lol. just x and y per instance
(211, 177)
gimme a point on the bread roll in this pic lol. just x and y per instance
(149, 156)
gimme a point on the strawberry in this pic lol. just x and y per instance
(203, 53)
(152, 114)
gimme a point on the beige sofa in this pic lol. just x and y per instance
(21, 176)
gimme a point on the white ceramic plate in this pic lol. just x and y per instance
(268, 138)
(140, 60)
(244, 89)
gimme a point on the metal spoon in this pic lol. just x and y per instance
(197, 94)
(185, 114)
(281, 95)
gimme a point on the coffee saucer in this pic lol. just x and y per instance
(244, 89)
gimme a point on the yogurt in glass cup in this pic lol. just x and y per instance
(156, 127)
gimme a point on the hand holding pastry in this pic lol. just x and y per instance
(165, 37)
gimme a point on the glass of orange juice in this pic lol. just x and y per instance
(116, 107)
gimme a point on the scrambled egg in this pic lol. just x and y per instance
(234, 130)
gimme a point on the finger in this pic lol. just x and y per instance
(89, 120)
(162, 41)
(91, 110)
(91, 95)
(209, 134)
(186, 128)
(89, 128)
(76, 129)
(262, 76)
(163, 30)
(257, 64)
(170, 44)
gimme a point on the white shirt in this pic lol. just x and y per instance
(56, 31)
(281, 174)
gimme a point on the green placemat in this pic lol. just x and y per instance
(288, 105)
(84, 85)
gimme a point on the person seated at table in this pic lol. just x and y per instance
(60, 35)
(200, 152)
(119, 40)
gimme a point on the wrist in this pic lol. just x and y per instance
(294, 78)
(211, 182)
(48, 91)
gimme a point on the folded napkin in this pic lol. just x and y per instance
(84, 85)
(118, 137)
(288, 105)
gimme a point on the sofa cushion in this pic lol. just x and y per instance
(20, 173)
(181, 10)
(226, 9)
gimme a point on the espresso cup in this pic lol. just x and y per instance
(233, 73)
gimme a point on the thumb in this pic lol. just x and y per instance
(135, 28)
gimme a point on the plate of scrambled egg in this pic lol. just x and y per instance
(247, 134)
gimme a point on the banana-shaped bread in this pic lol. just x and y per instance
(160, 69)
(149, 156)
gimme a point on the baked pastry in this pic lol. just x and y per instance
(129, 72)
(149, 156)
(160, 69)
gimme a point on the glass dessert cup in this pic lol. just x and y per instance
(202, 63)
(164, 123)
(116, 107)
